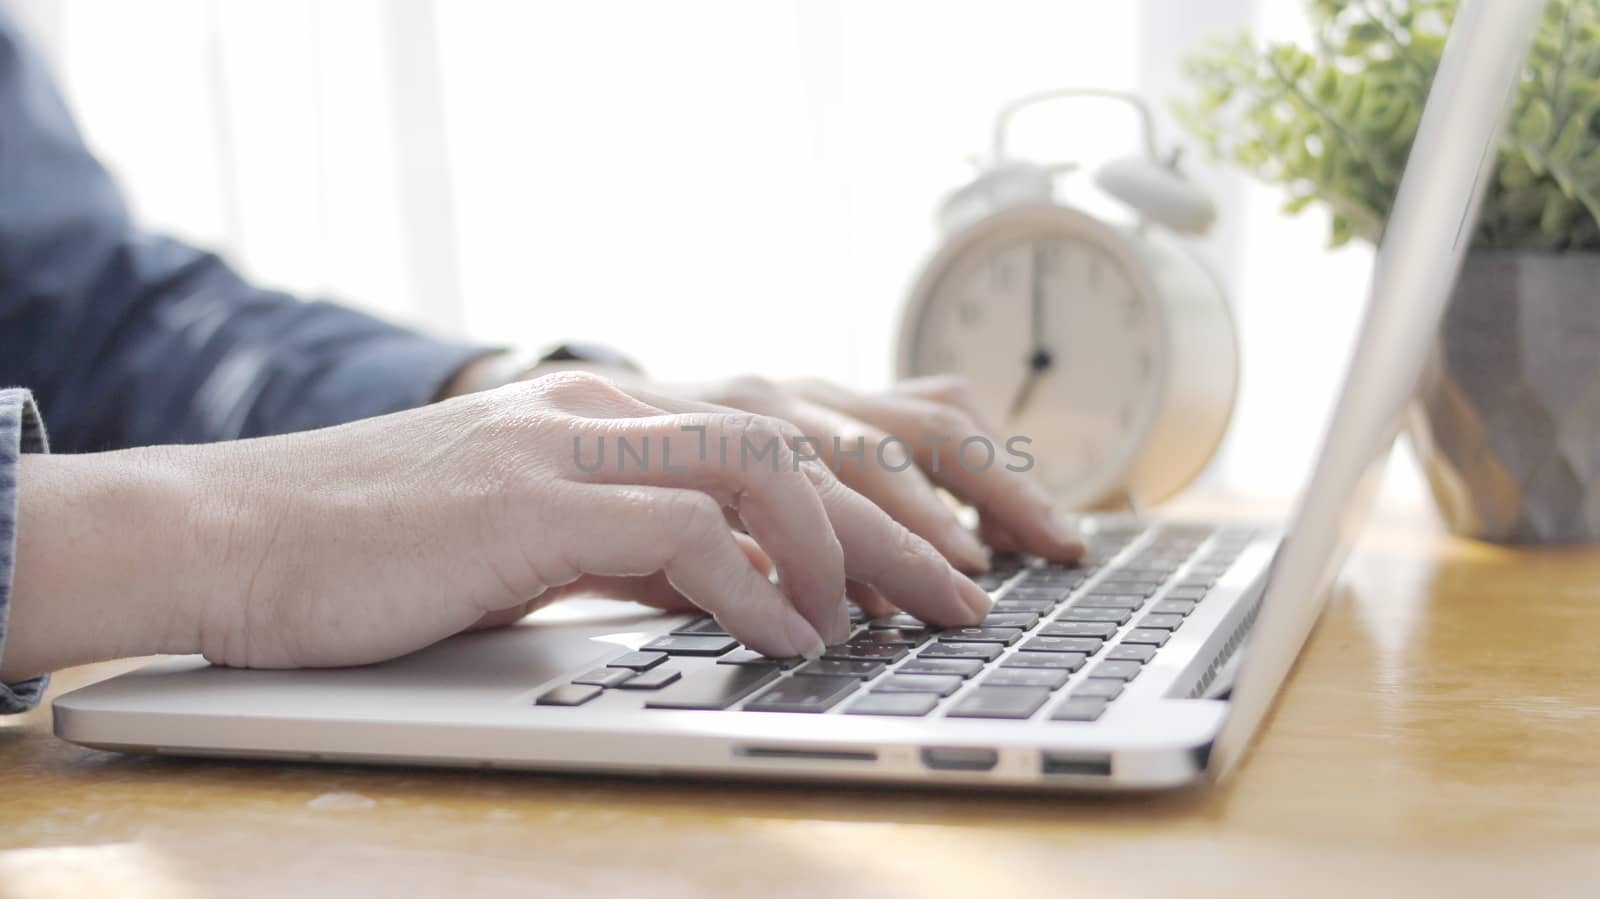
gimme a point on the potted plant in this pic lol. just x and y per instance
(1507, 422)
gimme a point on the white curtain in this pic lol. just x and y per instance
(715, 186)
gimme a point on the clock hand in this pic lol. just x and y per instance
(1041, 359)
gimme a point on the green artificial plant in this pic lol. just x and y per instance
(1334, 123)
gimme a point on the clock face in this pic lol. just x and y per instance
(1061, 341)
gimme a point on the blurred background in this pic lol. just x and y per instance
(713, 186)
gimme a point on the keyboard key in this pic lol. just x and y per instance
(1024, 605)
(653, 679)
(1075, 613)
(1173, 607)
(1048, 678)
(900, 621)
(703, 627)
(717, 687)
(958, 667)
(1067, 661)
(751, 657)
(1118, 590)
(892, 637)
(943, 685)
(901, 705)
(569, 694)
(1137, 588)
(1190, 593)
(1023, 620)
(856, 614)
(1098, 601)
(1000, 702)
(857, 649)
(1116, 670)
(691, 646)
(1101, 689)
(604, 677)
(1047, 594)
(1147, 635)
(1163, 622)
(860, 669)
(638, 661)
(803, 694)
(1005, 636)
(1132, 652)
(1085, 645)
(1079, 708)
(1100, 629)
(984, 652)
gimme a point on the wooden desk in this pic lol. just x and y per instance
(1441, 737)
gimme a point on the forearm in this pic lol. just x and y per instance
(111, 559)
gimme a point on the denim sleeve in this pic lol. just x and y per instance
(128, 339)
(21, 431)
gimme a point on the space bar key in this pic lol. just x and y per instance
(714, 688)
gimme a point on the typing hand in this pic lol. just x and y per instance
(368, 540)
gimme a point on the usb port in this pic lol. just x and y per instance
(958, 758)
(1079, 764)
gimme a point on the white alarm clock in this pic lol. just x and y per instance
(1109, 348)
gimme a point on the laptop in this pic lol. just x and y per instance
(1149, 665)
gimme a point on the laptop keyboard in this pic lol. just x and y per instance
(1061, 643)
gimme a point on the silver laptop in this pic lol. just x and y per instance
(1128, 671)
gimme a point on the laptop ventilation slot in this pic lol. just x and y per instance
(1240, 631)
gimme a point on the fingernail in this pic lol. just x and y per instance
(969, 552)
(972, 595)
(802, 636)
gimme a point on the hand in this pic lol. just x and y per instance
(361, 542)
(931, 416)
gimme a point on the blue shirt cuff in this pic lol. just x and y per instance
(21, 431)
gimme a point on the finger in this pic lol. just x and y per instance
(741, 461)
(644, 529)
(965, 459)
(995, 534)
(880, 468)
(753, 551)
(905, 568)
(1057, 526)
(872, 603)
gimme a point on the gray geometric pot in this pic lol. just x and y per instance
(1507, 422)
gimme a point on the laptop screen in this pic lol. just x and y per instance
(1429, 227)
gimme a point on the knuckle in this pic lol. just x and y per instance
(911, 551)
(695, 519)
(568, 387)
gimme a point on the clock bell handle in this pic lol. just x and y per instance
(1002, 119)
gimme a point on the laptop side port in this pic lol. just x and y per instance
(959, 758)
(1077, 763)
(807, 754)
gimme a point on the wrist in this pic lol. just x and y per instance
(108, 563)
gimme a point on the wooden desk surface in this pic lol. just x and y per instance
(1441, 737)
